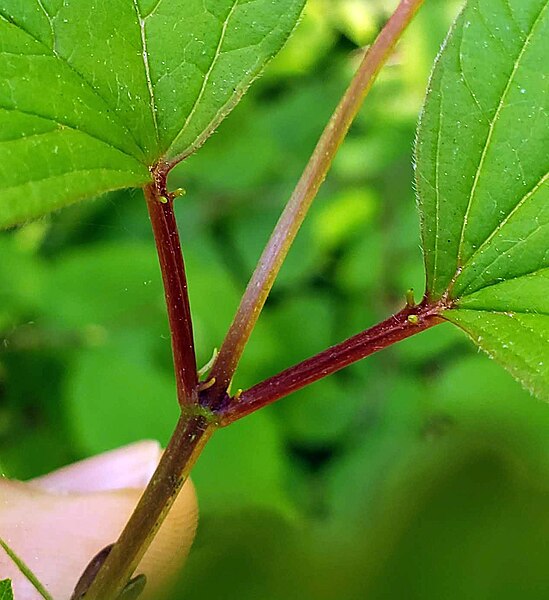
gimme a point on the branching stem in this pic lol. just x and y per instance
(306, 190)
(195, 425)
(201, 411)
(407, 322)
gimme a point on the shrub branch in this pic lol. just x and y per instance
(305, 192)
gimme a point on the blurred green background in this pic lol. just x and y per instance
(421, 473)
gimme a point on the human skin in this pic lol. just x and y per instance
(57, 523)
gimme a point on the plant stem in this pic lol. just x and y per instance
(404, 324)
(190, 436)
(197, 422)
(293, 215)
(195, 425)
(25, 570)
(175, 287)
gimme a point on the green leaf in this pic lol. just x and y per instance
(482, 179)
(6, 593)
(94, 93)
(519, 341)
(248, 551)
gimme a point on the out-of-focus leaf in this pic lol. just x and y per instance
(113, 285)
(343, 217)
(357, 20)
(494, 519)
(313, 39)
(497, 411)
(360, 268)
(321, 415)
(33, 451)
(244, 466)
(429, 466)
(34, 432)
(303, 326)
(230, 162)
(411, 420)
(22, 275)
(251, 235)
(213, 295)
(363, 157)
(255, 554)
(114, 397)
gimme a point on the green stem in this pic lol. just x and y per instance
(26, 571)
(306, 190)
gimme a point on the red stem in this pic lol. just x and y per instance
(175, 286)
(404, 324)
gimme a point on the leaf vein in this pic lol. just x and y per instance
(50, 21)
(222, 112)
(145, 55)
(71, 127)
(152, 10)
(490, 133)
(519, 276)
(60, 175)
(501, 225)
(507, 313)
(206, 78)
(81, 77)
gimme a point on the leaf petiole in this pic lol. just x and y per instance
(409, 321)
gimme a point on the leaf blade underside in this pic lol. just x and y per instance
(94, 94)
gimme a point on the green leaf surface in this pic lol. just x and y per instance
(94, 93)
(482, 179)
(517, 340)
(6, 593)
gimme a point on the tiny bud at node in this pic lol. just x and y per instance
(410, 300)
(179, 192)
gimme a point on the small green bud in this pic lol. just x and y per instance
(410, 300)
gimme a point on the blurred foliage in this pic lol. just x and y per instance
(421, 473)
